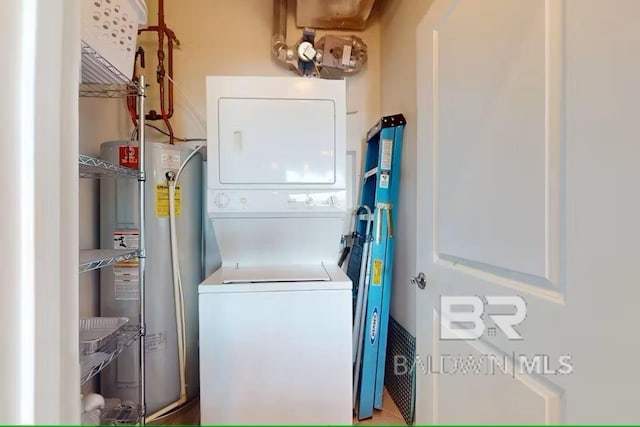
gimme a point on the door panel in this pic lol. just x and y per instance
(500, 383)
(493, 197)
(496, 206)
(526, 405)
(527, 189)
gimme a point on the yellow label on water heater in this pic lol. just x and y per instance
(162, 201)
(377, 272)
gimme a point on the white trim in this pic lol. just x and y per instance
(39, 304)
(26, 193)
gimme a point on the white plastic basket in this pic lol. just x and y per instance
(110, 27)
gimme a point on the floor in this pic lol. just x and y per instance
(389, 415)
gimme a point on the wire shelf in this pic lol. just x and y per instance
(91, 259)
(100, 79)
(118, 413)
(92, 364)
(91, 167)
(95, 90)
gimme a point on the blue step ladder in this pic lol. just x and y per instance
(380, 188)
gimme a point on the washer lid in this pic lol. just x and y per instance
(274, 278)
(275, 273)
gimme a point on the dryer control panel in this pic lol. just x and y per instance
(226, 202)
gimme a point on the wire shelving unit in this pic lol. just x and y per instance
(92, 167)
(92, 364)
(121, 413)
(92, 259)
(101, 79)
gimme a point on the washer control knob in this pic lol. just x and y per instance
(222, 200)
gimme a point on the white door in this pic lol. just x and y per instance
(529, 146)
(39, 364)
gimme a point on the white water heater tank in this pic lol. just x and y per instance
(118, 284)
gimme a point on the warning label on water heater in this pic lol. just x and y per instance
(155, 341)
(126, 281)
(162, 201)
(128, 156)
(169, 159)
(126, 239)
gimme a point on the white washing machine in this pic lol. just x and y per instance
(275, 319)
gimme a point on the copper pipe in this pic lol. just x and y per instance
(166, 111)
(165, 118)
(160, 74)
(132, 99)
(161, 26)
(153, 115)
(171, 39)
(170, 83)
(160, 32)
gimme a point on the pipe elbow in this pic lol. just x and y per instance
(280, 50)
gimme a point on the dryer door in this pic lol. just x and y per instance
(261, 143)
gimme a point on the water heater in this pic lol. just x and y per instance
(119, 295)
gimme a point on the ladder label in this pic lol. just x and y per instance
(377, 272)
(384, 180)
(387, 150)
(374, 325)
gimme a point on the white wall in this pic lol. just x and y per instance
(398, 22)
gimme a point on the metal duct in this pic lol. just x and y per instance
(279, 48)
(338, 68)
(334, 14)
(332, 56)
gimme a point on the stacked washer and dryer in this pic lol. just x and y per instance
(275, 319)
